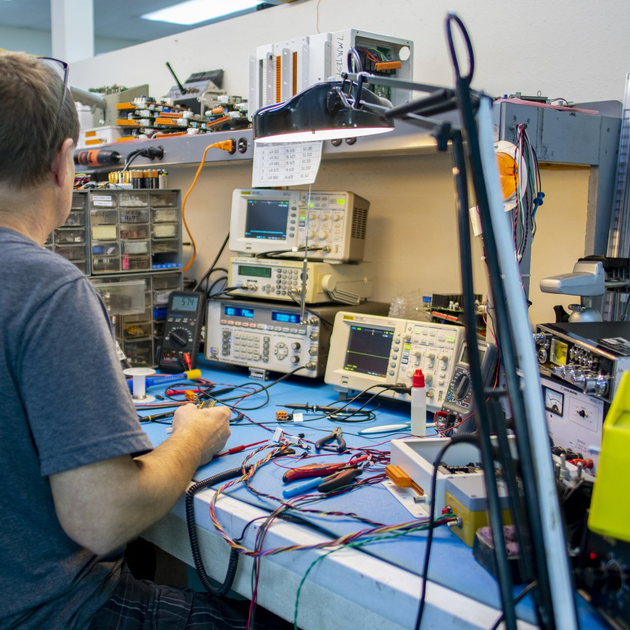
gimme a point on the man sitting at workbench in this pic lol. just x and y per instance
(80, 479)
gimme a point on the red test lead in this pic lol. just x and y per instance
(238, 449)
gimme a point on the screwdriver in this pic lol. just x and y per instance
(312, 470)
(238, 449)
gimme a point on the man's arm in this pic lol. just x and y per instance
(104, 505)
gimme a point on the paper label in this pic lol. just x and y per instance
(286, 164)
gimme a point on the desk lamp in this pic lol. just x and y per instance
(346, 108)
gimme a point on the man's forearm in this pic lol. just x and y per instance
(104, 505)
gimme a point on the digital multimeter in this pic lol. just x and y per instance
(459, 396)
(182, 331)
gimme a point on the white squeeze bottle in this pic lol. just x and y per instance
(418, 404)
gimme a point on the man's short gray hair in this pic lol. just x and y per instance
(30, 134)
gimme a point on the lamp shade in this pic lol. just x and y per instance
(320, 113)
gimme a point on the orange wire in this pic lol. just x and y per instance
(227, 145)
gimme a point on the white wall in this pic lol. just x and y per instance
(564, 49)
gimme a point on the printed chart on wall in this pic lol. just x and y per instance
(289, 164)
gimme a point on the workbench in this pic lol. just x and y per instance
(375, 586)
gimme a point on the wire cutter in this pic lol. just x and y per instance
(334, 436)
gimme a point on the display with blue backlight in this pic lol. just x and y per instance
(284, 317)
(239, 311)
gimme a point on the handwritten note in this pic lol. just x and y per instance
(286, 164)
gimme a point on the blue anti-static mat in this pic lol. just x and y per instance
(452, 564)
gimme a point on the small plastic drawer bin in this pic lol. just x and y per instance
(139, 317)
(160, 298)
(78, 202)
(135, 247)
(104, 200)
(166, 281)
(105, 265)
(104, 232)
(165, 247)
(164, 215)
(75, 219)
(72, 252)
(135, 263)
(134, 215)
(139, 353)
(136, 330)
(163, 199)
(63, 236)
(134, 231)
(121, 298)
(165, 230)
(134, 200)
(80, 265)
(104, 217)
(105, 249)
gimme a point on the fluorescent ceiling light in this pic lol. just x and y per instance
(195, 11)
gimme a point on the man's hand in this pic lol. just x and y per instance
(211, 425)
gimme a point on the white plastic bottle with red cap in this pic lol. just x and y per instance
(418, 404)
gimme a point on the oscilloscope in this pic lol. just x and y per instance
(369, 350)
(271, 221)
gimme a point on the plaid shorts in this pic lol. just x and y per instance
(143, 605)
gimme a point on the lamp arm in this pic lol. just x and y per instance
(343, 97)
(374, 79)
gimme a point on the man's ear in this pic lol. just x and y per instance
(62, 164)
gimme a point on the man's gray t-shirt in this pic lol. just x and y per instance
(64, 403)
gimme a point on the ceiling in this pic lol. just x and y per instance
(117, 19)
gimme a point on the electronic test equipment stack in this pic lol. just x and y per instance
(292, 249)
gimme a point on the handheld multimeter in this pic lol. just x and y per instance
(459, 397)
(182, 331)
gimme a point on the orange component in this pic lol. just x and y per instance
(217, 110)
(120, 106)
(402, 479)
(278, 79)
(125, 138)
(295, 72)
(218, 121)
(190, 395)
(282, 415)
(508, 174)
(170, 135)
(125, 122)
(387, 65)
(167, 121)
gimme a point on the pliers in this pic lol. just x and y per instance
(334, 436)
